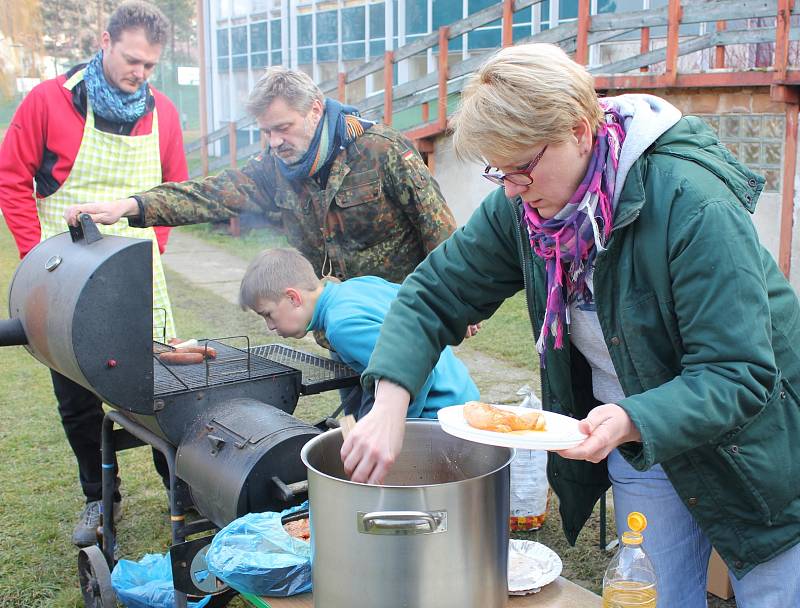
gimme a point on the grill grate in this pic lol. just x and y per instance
(231, 365)
(318, 373)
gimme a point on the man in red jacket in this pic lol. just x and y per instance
(98, 132)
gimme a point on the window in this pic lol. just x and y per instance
(275, 34)
(258, 37)
(239, 40)
(416, 17)
(489, 35)
(353, 24)
(239, 47)
(327, 27)
(223, 60)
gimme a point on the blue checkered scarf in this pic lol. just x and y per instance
(108, 101)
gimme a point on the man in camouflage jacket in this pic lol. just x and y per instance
(380, 213)
(368, 206)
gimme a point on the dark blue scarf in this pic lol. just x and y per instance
(108, 101)
(338, 127)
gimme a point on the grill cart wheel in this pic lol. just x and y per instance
(95, 579)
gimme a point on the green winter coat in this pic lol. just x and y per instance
(702, 328)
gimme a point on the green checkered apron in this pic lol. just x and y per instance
(110, 167)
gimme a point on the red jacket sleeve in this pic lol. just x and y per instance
(173, 158)
(20, 154)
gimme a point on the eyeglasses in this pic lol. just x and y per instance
(519, 178)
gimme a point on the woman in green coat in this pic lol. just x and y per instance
(660, 321)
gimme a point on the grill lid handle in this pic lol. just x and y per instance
(86, 230)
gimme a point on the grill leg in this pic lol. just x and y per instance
(109, 462)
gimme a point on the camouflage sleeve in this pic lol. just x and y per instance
(416, 190)
(210, 199)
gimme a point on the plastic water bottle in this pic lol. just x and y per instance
(630, 579)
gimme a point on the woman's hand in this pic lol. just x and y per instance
(103, 213)
(607, 426)
(374, 443)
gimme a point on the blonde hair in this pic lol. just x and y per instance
(272, 272)
(520, 97)
(293, 86)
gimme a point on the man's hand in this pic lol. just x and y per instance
(103, 213)
(374, 443)
(607, 426)
(472, 330)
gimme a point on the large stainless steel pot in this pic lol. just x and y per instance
(434, 536)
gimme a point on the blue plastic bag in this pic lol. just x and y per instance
(147, 583)
(254, 554)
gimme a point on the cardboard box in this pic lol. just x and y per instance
(718, 582)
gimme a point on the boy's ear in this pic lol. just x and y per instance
(294, 295)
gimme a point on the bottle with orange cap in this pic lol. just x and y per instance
(630, 579)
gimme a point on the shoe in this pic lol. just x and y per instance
(85, 533)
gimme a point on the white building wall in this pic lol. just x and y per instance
(794, 276)
(461, 183)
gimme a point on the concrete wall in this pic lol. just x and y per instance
(461, 183)
(464, 188)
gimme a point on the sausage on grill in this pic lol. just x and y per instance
(179, 358)
(210, 353)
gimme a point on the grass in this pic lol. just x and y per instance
(245, 246)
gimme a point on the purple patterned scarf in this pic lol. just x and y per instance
(568, 243)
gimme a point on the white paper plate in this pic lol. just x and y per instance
(561, 431)
(531, 566)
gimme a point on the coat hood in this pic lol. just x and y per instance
(693, 140)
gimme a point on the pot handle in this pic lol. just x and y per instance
(402, 522)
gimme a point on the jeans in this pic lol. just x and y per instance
(680, 551)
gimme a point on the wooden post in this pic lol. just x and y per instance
(787, 188)
(644, 46)
(341, 88)
(673, 27)
(443, 44)
(507, 36)
(582, 42)
(782, 38)
(426, 112)
(201, 48)
(719, 51)
(388, 86)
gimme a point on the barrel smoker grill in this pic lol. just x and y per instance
(81, 303)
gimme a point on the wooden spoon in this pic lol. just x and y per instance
(346, 424)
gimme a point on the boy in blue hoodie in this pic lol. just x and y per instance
(281, 286)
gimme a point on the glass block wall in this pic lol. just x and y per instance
(756, 140)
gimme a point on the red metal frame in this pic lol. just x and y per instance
(782, 38)
(719, 50)
(507, 37)
(709, 79)
(582, 41)
(388, 85)
(674, 13)
(644, 46)
(201, 49)
(443, 74)
(787, 185)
